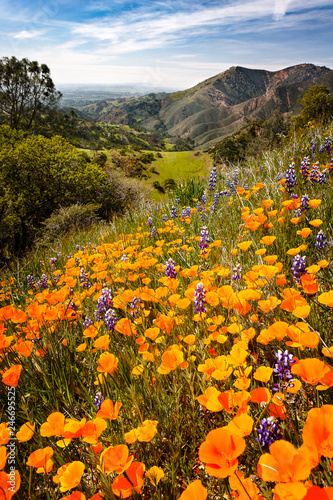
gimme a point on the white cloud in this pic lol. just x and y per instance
(25, 34)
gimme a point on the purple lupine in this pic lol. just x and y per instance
(87, 322)
(199, 299)
(212, 179)
(204, 240)
(314, 174)
(153, 232)
(331, 166)
(237, 273)
(215, 203)
(173, 211)
(98, 400)
(290, 176)
(282, 371)
(31, 281)
(124, 258)
(188, 211)
(328, 145)
(104, 303)
(110, 320)
(169, 269)
(268, 432)
(83, 278)
(305, 167)
(204, 199)
(298, 267)
(322, 178)
(135, 307)
(43, 282)
(313, 145)
(321, 240)
(164, 217)
(149, 221)
(305, 203)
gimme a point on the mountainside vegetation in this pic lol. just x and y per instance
(218, 106)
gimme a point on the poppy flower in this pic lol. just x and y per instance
(54, 426)
(115, 459)
(172, 358)
(69, 476)
(263, 373)
(245, 487)
(210, 399)
(283, 463)
(311, 370)
(326, 298)
(108, 410)
(11, 376)
(26, 432)
(5, 433)
(241, 425)
(93, 429)
(316, 493)
(41, 459)
(318, 430)
(220, 451)
(9, 484)
(154, 475)
(289, 491)
(123, 487)
(194, 491)
(3, 456)
(108, 363)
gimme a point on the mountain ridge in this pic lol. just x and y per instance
(217, 106)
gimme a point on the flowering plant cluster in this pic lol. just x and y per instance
(192, 363)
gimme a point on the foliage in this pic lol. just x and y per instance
(26, 90)
(66, 220)
(39, 175)
(317, 105)
(189, 190)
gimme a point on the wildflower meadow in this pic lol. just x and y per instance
(182, 352)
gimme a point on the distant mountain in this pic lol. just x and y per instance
(218, 106)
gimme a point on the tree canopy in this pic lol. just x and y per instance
(26, 90)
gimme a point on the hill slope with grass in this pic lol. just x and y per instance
(218, 106)
(181, 351)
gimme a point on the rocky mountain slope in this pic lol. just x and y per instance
(217, 106)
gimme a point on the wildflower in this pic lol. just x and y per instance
(200, 299)
(104, 303)
(237, 273)
(124, 487)
(149, 222)
(204, 239)
(155, 474)
(314, 174)
(83, 278)
(109, 410)
(305, 203)
(321, 240)
(220, 451)
(31, 282)
(290, 177)
(318, 430)
(173, 213)
(194, 491)
(87, 322)
(69, 475)
(268, 432)
(282, 370)
(153, 232)
(212, 179)
(98, 399)
(298, 268)
(43, 282)
(169, 269)
(116, 459)
(305, 167)
(135, 307)
(124, 258)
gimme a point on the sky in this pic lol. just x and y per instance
(171, 44)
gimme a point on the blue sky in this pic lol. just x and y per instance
(168, 44)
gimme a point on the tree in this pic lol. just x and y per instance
(26, 90)
(317, 104)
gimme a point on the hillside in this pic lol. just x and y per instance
(217, 106)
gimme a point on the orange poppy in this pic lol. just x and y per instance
(115, 459)
(69, 475)
(326, 298)
(93, 429)
(41, 459)
(9, 484)
(108, 363)
(5, 433)
(54, 426)
(194, 491)
(317, 493)
(11, 376)
(108, 410)
(3, 456)
(26, 432)
(311, 370)
(172, 358)
(289, 491)
(123, 487)
(220, 451)
(155, 474)
(318, 430)
(210, 399)
(283, 463)
(241, 425)
(263, 373)
(245, 487)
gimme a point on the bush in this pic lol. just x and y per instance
(66, 220)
